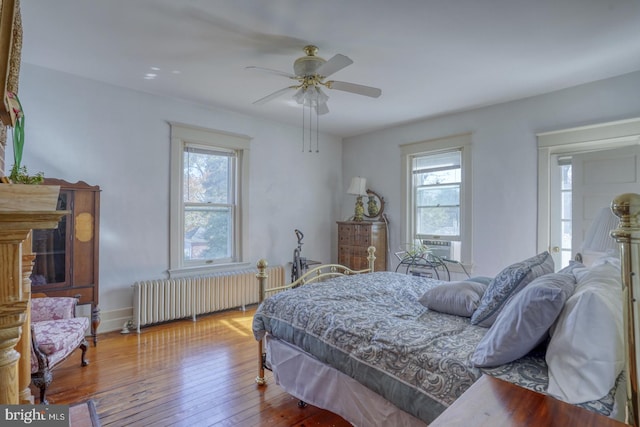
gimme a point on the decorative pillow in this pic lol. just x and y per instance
(458, 298)
(586, 351)
(508, 283)
(525, 320)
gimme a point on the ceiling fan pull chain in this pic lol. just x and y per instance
(303, 128)
(317, 131)
(310, 127)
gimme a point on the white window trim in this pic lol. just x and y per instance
(180, 135)
(610, 135)
(462, 142)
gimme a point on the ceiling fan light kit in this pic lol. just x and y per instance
(310, 72)
(307, 65)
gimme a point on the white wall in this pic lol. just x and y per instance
(504, 161)
(78, 129)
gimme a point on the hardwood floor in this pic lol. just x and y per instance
(181, 373)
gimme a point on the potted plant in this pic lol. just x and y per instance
(17, 192)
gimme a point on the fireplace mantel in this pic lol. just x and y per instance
(15, 229)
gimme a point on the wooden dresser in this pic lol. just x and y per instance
(354, 237)
(492, 402)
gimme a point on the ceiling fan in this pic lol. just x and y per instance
(310, 73)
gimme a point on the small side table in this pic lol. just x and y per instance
(423, 265)
(491, 402)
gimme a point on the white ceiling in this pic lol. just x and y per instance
(429, 57)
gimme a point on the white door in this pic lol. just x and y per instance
(598, 177)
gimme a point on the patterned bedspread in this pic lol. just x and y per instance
(372, 328)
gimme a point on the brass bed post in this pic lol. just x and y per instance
(627, 208)
(262, 278)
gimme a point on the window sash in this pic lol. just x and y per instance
(208, 233)
(223, 192)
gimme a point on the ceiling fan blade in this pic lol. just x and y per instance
(273, 95)
(269, 70)
(373, 92)
(336, 63)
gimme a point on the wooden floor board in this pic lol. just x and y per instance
(182, 373)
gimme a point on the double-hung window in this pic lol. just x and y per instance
(208, 204)
(436, 182)
(437, 195)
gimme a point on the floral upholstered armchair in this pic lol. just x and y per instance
(55, 334)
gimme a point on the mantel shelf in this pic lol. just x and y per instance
(27, 220)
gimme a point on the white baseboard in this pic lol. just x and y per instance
(110, 321)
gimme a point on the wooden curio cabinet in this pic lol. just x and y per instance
(355, 237)
(66, 262)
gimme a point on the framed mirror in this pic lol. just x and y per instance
(375, 205)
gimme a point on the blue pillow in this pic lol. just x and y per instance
(525, 320)
(457, 298)
(506, 284)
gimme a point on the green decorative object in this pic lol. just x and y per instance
(359, 211)
(372, 206)
(375, 205)
(19, 174)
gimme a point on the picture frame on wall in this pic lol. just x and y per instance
(7, 53)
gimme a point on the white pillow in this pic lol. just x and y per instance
(586, 351)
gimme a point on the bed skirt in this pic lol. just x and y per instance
(330, 389)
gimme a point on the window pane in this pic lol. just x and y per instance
(566, 235)
(566, 205)
(439, 221)
(207, 233)
(446, 176)
(436, 161)
(207, 177)
(566, 177)
(447, 195)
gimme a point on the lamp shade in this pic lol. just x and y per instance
(358, 186)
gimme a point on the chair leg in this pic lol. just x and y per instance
(83, 347)
(42, 379)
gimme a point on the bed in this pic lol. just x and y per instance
(384, 348)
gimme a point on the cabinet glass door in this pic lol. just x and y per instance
(50, 248)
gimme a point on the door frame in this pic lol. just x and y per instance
(581, 139)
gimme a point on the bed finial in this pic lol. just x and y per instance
(627, 208)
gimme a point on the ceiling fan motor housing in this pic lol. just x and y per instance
(307, 65)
